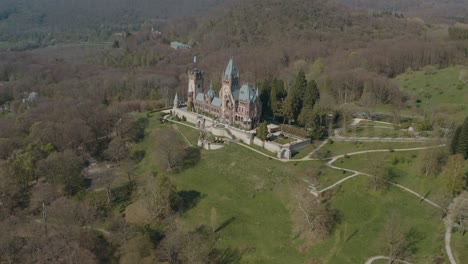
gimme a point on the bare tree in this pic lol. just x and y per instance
(458, 212)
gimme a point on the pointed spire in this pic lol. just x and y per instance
(176, 98)
(231, 70)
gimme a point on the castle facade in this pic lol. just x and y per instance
(235, 104)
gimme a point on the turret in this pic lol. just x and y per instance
(231, 75)
(195, 84)
(176, 101)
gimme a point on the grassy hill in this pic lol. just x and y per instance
(437, 90)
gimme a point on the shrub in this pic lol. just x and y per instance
(423, 134)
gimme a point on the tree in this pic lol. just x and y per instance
(313, 217)
(398, 241)
(277, 95)
(294, 101)
(160, 194)
(170, 149)
(462, 142)
(380, 175)
(433, 160)
(311, 94)
(63, 169)
(22, 164)
(262, 131)
(117, 149)
(458, 212)
(454, 141)
(454, 174)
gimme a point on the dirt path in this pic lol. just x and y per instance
(448, 225)
(358, 173)
(372, 259)
(315, 150)
(182, 134)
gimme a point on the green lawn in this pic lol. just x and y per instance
(246, 188)
(363, 217)
(344, 147)
(372, 123)
(440, 91)
(283, 141)
(408, 167)
(460, 246)
(306, 151)
(190, 133)
(377, 132)
(252, 195)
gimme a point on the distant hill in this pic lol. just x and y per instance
(45, 20)
(268, 21)
(434, 11)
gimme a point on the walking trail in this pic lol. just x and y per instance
(356, 173)
(448, 224)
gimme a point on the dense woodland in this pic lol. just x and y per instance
(310, 59)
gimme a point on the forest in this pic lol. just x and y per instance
(88, 176)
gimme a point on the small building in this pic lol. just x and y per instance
(177, 45)
(33, 97)
(272, 128)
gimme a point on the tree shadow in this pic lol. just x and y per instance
(227, 256)
(225, 224)
(352, 235)
(186, 200)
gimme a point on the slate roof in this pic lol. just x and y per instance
(211, 92)
(247, 93)
(200, 97)
(231, 70)
(216, 101)
(178, 45)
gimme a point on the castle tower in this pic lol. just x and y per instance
(230, 82)
(195, 84)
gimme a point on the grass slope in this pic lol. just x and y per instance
(438, 91)
(252, 193)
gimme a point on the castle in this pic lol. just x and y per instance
(235, 104)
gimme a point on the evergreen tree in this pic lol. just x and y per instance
(462, 141)
(262, 131)
(277, 95)
(311, 94)
(265, 94)
(454, 142)
(294, 100)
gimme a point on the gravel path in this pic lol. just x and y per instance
(372, 259)
(448, 232)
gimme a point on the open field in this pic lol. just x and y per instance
(364, 215)
(252, 195)
(439, 90)
(406, 164)
(343, 147)
(372, 131)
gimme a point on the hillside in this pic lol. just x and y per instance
(447, 11)
(46, 21)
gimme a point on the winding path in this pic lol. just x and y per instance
(313, 190)
(448, 225)
(372, 259)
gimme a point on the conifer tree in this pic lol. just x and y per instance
(462, 141)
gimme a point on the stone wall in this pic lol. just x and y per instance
(282, 151)
(297, 146)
